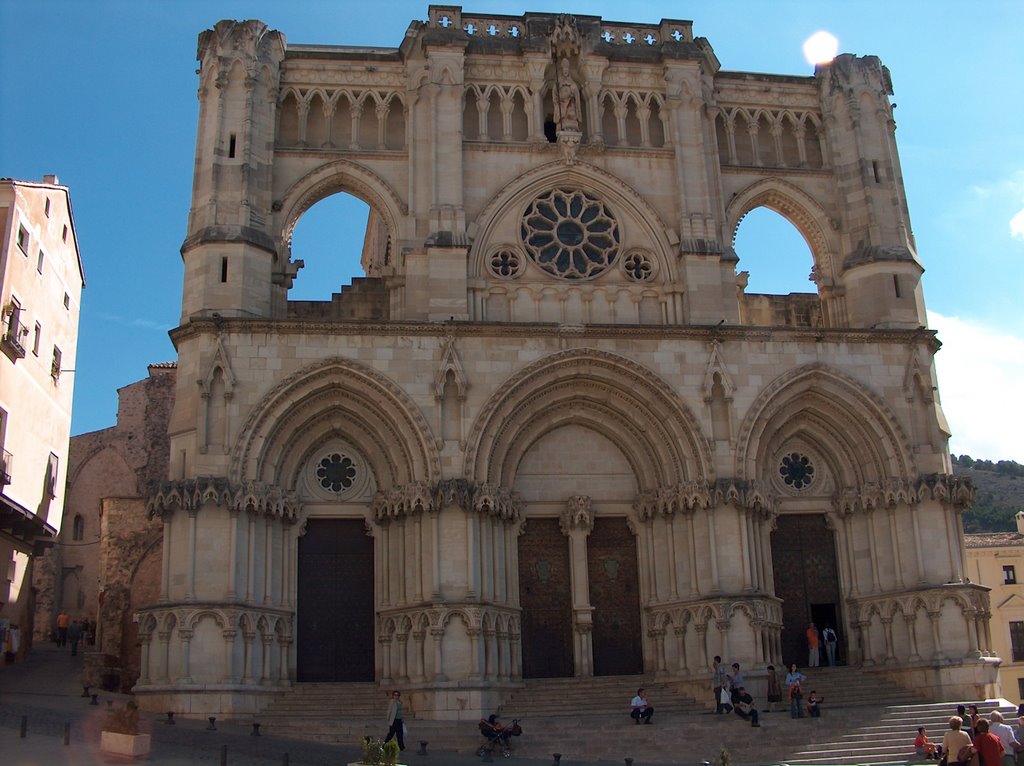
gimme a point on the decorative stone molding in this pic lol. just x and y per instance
(419, 497)
(699, 495)
(957, 491)
(578, 514)
(193, 494)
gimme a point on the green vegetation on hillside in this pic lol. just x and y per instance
(999, 494)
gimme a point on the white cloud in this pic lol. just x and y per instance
(1017, 225)
(981, 380)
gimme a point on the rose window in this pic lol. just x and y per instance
(796, 470)
(336, 472)
(570, 234)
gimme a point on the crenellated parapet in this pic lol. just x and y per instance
(194, 494)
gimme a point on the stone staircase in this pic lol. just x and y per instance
(865, 721)
(365, 299)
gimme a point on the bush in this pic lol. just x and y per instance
(123, 720)
(376, 751)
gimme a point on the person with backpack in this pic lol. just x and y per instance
(828, 635)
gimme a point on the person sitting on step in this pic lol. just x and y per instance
(814, 705)
(922, 745)
(744, 706)
(640, 707)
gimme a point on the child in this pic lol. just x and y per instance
(922, 746)
(813, 705)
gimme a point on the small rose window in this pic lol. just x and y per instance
(336, 472)
(796, 470)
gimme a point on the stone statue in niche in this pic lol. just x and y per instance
(567, 101)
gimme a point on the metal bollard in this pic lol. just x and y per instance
(67, 734)
(423, 748)
(223, 755)
(170, 718)
(629, 762)
(24, 726)
(85, 690)
(557, 757)
(213, 723)
(95, 699)
(255, 729)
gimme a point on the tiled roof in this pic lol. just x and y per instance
(993, 539)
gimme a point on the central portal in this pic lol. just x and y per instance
(614, 594)
(335, 631)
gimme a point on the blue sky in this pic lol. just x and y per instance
(103, 94)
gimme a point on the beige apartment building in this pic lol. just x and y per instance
(550, 433)
(41, 281)
(996, 560)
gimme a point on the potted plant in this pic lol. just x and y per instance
(376, 752)
(121, 735)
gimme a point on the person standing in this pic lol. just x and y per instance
(1005, 733)
(74, 636)
(955, 740)
(831, 640)
(720, 678)
(813, 642)
(990, 749)
(794, 682)
(62, 628)
(396, 723)
(640, 708)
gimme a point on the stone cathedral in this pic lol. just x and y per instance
(550, 433)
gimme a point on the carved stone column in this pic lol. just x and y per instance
(576, 523)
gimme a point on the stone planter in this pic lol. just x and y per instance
(124, 745)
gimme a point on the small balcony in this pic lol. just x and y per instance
(11, 341)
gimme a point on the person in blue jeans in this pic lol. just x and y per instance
(794, 681)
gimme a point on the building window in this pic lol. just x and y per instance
(67, 301)
(46, 207)
(1017, 641)
(64, 234)
(55, 366)
(23, 239)
(35, 338)
(78, 528)
(40, 257)
(1009, 575)
(13, 332)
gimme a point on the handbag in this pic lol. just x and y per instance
(723, 696)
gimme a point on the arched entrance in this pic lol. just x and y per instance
(335, 611)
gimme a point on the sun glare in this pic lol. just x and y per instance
(820, 48)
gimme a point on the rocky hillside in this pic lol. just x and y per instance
(1000, 493)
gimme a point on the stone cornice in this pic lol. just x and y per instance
(704, 333)
(957, 491)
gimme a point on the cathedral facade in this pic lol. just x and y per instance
(550, 433)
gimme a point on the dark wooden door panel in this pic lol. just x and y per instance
(614, 594)
(546, 600)
(335, 619)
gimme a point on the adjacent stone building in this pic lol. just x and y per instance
(996, 560)
(550, 433)
(106, 563)
(41, 281)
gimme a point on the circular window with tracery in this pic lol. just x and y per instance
(639, 266)
(570, 234)
(796, 470)
(336, 472)
(506, 263)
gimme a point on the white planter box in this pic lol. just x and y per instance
(124, 745)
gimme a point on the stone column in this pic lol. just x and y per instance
(190, 592)
(897, 554)
(745, 552)
(268, 561)
(683, 667)
(576, 523)
(283, 671)
(872, 544)
(165, 559)
(403, 657)
(437, 634)
(144, 642)
(248, 637)
(713, 551)
(268, 642)
(229, 655)
(694, 582)
(417, 531)
(673, 576)
(232, 589)
(911, 620)
(418, 670)
(385, 656)
(922, 577)
(250, 558)
(186, 662)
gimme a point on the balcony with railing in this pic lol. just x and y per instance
(14, 333)
(6, 459)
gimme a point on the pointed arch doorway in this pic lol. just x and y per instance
(335, 610)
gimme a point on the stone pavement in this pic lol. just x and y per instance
(46, 691)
